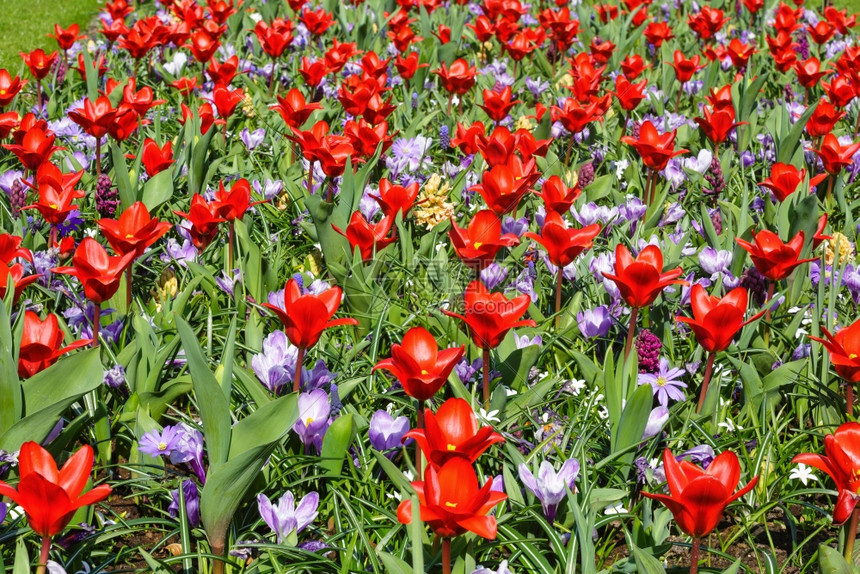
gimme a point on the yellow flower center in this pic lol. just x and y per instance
(661, 381)
(162, 445)
(424, 372)
(53, 205)
(451, 447)
(309, 421)
(478, 244)
(128, 235)
(451, 504)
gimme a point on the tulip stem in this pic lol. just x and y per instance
(97, 311)
(446, 555)
(703, 392)
(310, 177)
(419, 424)
(767, 313)
(694, 556)
(98, 157)
(631, 329)
(232, 229)
(486, 368)
(128, 294)
(558, 281)
(851, 536)
(297, 377)
(849, 399)
(46, 552)
(830, 188)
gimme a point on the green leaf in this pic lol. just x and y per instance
(394, 474)
(10, 385)
(225, 489)
(787, 145)
(158, 189)
(154, 565)
(393, 564)
(336, 443)
(213, 405)
(268, 424)
(734, 568)
(830, 561)
(48, 394)
(121, 176)
(632, 424)
(22, 559)
(645, 562)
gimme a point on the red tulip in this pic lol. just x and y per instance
(697, 498)
(204, 218)
(56, 193)
(563, 245)
(66, 38)
(718, 125)
(203, 45)
(629, 95)
(306, 316)
(232, 205)
(274, 38)
(505, 185)
(633, 66)
(658, 32)
(317, 21)
(94, 118)
(821, 32)
(840, 19)
(641, 280)
(156, 159)
(451, 502)
(834, 155)
(226, 100)
(478, 243)
(684, 68)
(10, 248)
(823, 119)
(407, 66)
(574, 116)
(185, 85)
(98, 272)
(9, 87)
(740, 53)
(656, 150)
(42, 344)
(707, 22)
(841, 462)
(139, 100)
(783, 180)
(840, 91)
(394, 199)
(294, 108)
(498, 105)
(844, 349)
(222, 73)
(113, 31)
(489, 316)
(418, 363)
(809, 72)
(556, 195)
(453, 432)
(773, 258)
(313, 72)
(50, 497)
(365, 138)
(458, 78)
(368, 238)
(716, 321)
(19, 282)
(135, 230)
(39, 63)
(36, 147)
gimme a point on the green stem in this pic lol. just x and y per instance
(704, 390)
(851, 537)
(297, 378)
(44, 554)
(487, 379)
(558, 282)
(97, 311)
(694, 556)
(631, 329)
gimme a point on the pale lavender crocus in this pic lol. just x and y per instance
(276, 365)
(594, 322)
(252, 139)
(285, 517)
(503, 569)
(155, 443)
(550, 487)
(715, 262)
(192, 502)
(314, 411)
(493, 275)
(385, 431)
(666, 383)
(658, 417)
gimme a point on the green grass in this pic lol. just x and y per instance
(24, 25)
(852, 5)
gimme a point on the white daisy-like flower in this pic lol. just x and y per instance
(802, 473)
(613, 509)
(489, 417)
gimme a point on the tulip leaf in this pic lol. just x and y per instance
(830, 561)
(734, 568)
(154, 565)
(336, 443)
(645, 562)
(393, 564)
(787, 145)
(632, 423)
(516, 365)
(22, 558)
(395, 474)
(121, 176)
(10, 385)
(531, 553)
(158, 189)
(268, 424)
(226, 486)
(213, 405)
(52, 391)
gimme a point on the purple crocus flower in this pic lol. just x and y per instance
(714, 262)
(189, 449)
(8, 178)
(114, 377)
(252, 139)
(658, 417)
(285, 517)
(466, 371)
(523, 341)
(276, 365)
(385, 431)
(228, 283)
(594, 322)
(550, 487)
(666, 383)
(492, 275)
(192, 502)
(162, 443)
(515, 226)
(3, 509)
(318, 377)
(503, 569)
(314, 411)
(268, 189)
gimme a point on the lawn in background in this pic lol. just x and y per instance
(25, 23)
